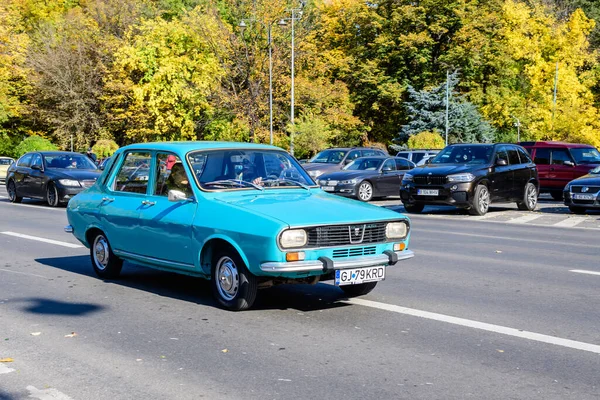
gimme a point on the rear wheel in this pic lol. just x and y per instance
(577, 210)
(358, 290)
(481, 201)
(105, 263)
(52, 195)
(414, 208)
(12, 192)
(557, 195)
(233, 286)
(365, 191)
(530, 196)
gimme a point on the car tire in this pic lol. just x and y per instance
(481, 201)
(365, 191)
(358, 290)
(577, 210)
(11, 187)
(414, 208)
(530, 196)
(557, 195)
(233, 286)
(52, 195)
(106, 264)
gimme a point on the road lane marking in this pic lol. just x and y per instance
(4, 369)
(570, 222)
(582, 271)
(487, 216)
(39, 239)
(23, 273)
(524, 219)
(39, 207)
(46, 394)
(538, 337)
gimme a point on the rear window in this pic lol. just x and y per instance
(513, 156)
(542, 156)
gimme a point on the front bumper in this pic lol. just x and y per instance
(326, 264)
(592, 202)
(451, 194)
(66, 193)
(348, 190)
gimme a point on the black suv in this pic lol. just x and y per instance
(333, 160)
(472, 176)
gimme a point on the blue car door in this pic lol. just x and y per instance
(166, 226)
(123, 200)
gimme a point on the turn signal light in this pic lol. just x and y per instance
(296, 256)
(399, 246)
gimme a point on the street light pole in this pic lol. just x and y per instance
(518, 125)
(270, 89)
(292, 100)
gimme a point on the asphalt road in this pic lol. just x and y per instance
(489, 308)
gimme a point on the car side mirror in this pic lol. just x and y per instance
(569, 163)
(501, 162)
(385, 170)
(428, 161)
(177, 195)
(37, 167)
(347, 161)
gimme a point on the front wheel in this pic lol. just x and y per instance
(365, 191)
(233, 286)
(530, 196)
(481, 201)
(12, 192)
(105, 263)
(358, 290)
(577, 210)
(52, 195)
(414, 208)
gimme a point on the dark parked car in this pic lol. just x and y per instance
(332, 160)
(472, 176)
(367, 177)
(559, 163)
(54, 176)
(583, 193)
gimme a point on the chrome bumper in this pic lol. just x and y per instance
(69, 229)
(326, 264)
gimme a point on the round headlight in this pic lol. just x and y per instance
(293, 238)
(396, 230)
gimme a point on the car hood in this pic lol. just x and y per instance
(321, 166)
(445, 169)
(589, 179)
(77, 174)
(302, 208)
(345, 175)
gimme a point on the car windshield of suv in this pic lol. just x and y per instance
(464, 155)
(69, 161)
(5, 161)
(247, 169)
(364, 164)
(329, 157)
(586, 156)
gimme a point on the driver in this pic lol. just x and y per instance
(246, 171)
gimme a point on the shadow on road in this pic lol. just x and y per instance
(11, 396)
(53, 307)
(197, 290)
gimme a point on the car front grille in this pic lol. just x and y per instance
(591, 189)
(343, 235)
(88, 183)
(355, 252)
(430, 180)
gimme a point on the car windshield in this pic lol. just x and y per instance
(5, 161)
(247, 168)
(329, 157)
(68, 161)
(586, 156)
(464, 155)
(364, 164)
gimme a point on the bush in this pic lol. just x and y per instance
(426, 140)
(105, 148)
(34, 143)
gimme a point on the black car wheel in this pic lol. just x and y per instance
(414, 208)
(105, 263)
(577, 210)
(12, 192)
(52, 195)
(365, 191)
(481, 201)
(557, 195)
(530, 196)
(358, 290)
(233, 286)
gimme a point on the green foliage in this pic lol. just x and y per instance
(105, 148)
(33, 143)
(426, 140)
(8, 144)
(312, 134)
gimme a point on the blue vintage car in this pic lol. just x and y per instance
(245, 216)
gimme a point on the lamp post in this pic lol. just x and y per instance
(518, 125)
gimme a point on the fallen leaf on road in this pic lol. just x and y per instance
(224, 351)
(72, 334)
(500, 351)
(498, 251)
(8, 359)
(36, 333)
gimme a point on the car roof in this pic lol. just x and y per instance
(198, 145)
(554, 144)
(54, 153)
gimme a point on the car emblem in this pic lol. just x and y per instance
(357, 233)
(584, 189)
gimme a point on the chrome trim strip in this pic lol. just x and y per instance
(316, 265)
(151, 259)
(69, 229)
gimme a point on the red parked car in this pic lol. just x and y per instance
(558, 163)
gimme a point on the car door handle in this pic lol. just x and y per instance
(148, 202)
(107, 200)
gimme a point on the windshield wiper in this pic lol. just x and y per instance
(229, 182)
(302, 185)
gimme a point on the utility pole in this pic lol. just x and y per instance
(447, 90)
(554, 97)
(518, 125)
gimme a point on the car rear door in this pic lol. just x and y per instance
(560, 173)
(541, 158)
(37, 177)
(501, 176)
(389, 179)
(519, 171)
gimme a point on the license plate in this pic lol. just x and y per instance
(355, 276)
(328, 188)
(584, 196)
(428, 192)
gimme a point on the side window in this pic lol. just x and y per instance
(25, 160)
(403, 155)
(133, 174)
(353, 155)
(36, 160)
(513, 156)
(403, 165)
(418, 156)
(501, 154)
(389, 165)
(542, 156)
(170, 175)
(370, 153)
(525, 159)
(559, 156)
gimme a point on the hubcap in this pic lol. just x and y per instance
(531, 197)
(484, 200)
(101, 254)
(228, 279)
(365, 191)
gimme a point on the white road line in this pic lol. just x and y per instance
(39, 239)
(582, 271)
(570, 222)
(23, 273)
(4, 369)
(593, 348)
(46, 394)
(40, 207)
(524, 219)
